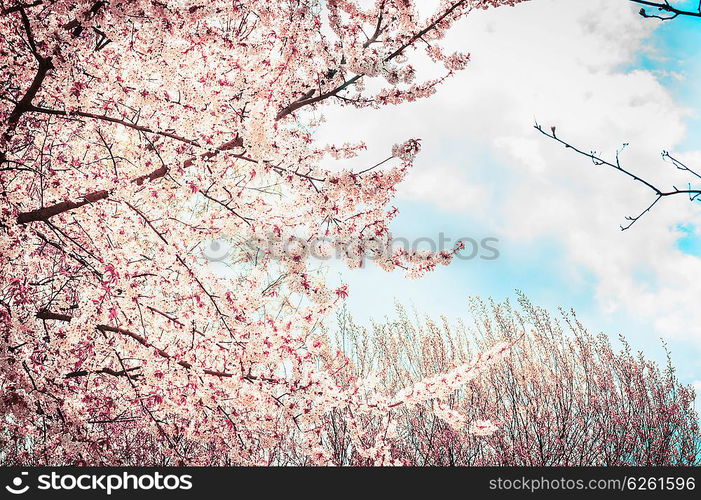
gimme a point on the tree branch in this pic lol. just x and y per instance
(44, 314)
(112, 119)
(44, 66)
(665, 6)
(43, 214)
(292, 107)
(46, 213)
(108, 371)
(693, 194)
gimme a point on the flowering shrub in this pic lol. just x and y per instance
(560, 396)
(133, 132)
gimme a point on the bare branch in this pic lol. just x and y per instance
(665, 6)
(693, 194)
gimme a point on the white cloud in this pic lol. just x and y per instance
(459, 194)
(562, 62)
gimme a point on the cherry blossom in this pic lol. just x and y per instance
(135, 132)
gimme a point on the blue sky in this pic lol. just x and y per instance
(680, 39)
(604, 76)
(677, 42)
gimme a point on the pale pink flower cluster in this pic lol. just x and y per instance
(483, 428)
(442, 385)
(407, 151)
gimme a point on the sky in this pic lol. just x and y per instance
(603, 76)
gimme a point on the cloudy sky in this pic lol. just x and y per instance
(603, 76)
